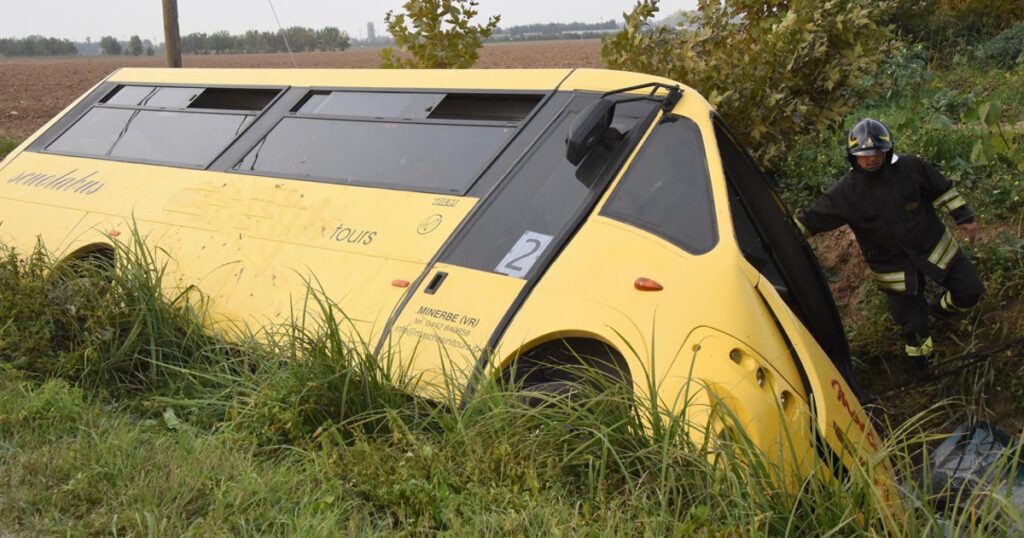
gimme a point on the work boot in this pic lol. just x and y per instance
(918, 354)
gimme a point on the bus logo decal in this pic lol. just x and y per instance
(353, 235)
(429, 224)
(65, 182)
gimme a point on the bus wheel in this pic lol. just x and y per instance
(83, 276)
(555, 366)
(551, 393)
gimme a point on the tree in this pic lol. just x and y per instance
(773, 68)
(442, 34)
(253, 41)
(195, 43)
(37, 46)
(331, 38)
(110, 46)
(135, 46)
(150, 51)
(300, 39)
(222, 42)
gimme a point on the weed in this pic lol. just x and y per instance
(6, 146)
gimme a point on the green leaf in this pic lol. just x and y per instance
(970, 115)
(978, 153)
(170, 419)
(991, 113)
(983, 111)
(939, 121)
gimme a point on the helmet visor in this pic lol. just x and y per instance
(867, 152)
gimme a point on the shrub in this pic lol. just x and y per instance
(442, 34)
(1004, 49)
(945, 26)
(774, 69)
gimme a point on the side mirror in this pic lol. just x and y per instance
(587, 128)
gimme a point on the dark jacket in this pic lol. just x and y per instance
(893, 215)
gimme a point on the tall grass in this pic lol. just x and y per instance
(122, 413)
(6, 146)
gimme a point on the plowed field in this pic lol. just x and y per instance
(34, 90)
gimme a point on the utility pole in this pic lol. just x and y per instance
(172, 37)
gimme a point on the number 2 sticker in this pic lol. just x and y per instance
(523, 254)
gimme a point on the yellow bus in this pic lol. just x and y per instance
(477, 220)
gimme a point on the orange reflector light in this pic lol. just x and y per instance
(399, 283)
(646, 284)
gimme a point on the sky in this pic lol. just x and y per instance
(78, 19)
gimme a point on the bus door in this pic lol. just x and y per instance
(464, 300)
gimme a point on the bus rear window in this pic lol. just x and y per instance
(427, 157)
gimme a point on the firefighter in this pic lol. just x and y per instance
(891, 202)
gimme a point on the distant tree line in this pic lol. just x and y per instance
(109, 45)
(298, 39)
(553, 30)
(37, 46)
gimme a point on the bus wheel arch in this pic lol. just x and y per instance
(94, 262)
(561, 359)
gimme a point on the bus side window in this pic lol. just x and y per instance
(132, 122)
(667, 189)
(753, 246)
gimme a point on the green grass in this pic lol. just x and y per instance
(120, 415)
(6, 146)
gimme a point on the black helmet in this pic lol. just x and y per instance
(869, 136)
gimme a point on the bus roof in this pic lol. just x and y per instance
(599, 80)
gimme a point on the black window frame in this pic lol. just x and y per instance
(99, 102)
(292, 112)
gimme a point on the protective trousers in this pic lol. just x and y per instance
(963, 290)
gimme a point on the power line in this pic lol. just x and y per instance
(284, 36)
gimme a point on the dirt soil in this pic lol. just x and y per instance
(33, 90)
(841, 260)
